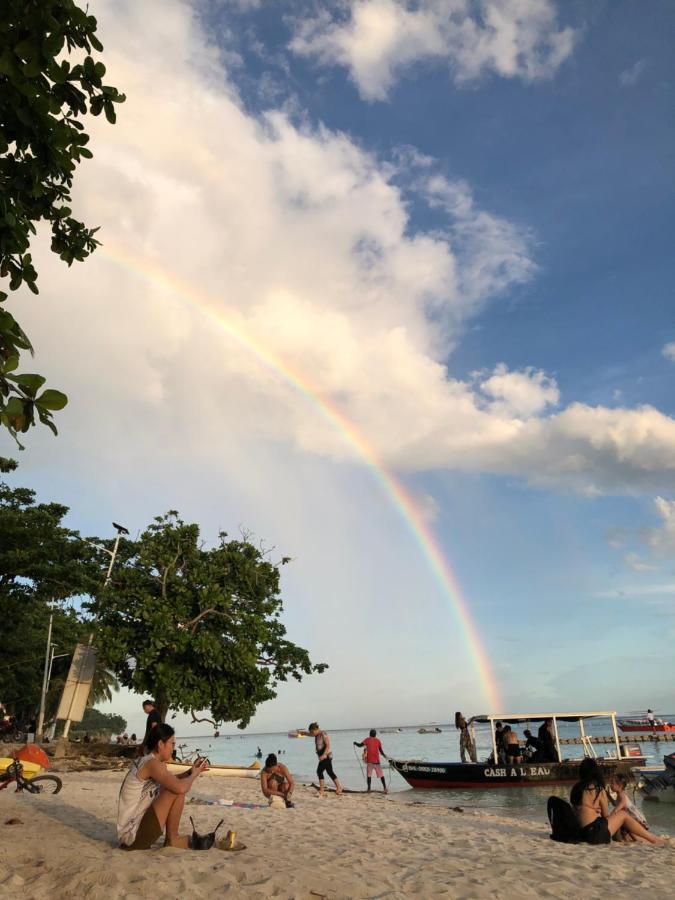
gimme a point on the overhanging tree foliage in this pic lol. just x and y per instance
(48, 79)
(198, 629)
(43, 566)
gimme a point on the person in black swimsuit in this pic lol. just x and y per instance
(276, 780)
(323, 751)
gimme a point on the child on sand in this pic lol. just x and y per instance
(373, 750)
(621, 800)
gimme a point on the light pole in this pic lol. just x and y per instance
(49, 656)
(112, 554)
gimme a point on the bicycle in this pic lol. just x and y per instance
(39, 785)
(190, 759)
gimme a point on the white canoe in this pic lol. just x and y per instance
(252, 771)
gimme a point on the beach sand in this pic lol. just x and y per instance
(354, 846)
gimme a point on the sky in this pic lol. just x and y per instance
(388, 284)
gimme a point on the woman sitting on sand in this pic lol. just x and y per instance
(151, 798)
(597, 824)
(276, 780)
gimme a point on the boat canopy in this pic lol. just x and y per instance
(513, 718)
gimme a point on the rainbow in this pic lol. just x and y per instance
(399, 496)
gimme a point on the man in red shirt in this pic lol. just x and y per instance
(373, 750)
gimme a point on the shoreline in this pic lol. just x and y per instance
(355, 846)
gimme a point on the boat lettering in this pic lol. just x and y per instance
(494, 773)
(415, 768)
(540, 770)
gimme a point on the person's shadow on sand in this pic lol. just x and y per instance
(84, 822)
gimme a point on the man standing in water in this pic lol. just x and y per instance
(373, 750)
(323, 751)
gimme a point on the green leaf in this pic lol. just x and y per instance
(52, 399)
(30, 383)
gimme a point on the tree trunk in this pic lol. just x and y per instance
(162, 705)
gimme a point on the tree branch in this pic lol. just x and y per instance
(193, 622)
(205, 719)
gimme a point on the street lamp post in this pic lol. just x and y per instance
(112, 554)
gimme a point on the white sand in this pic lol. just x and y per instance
(354, 846)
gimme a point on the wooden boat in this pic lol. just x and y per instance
(252, 771)
(645, 725)
(448, 775)
(428, 730)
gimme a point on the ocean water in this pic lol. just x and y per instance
(298, 754)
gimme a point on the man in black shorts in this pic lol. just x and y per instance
(152, 722)
(323, 751)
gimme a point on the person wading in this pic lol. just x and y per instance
(373, 764)
(323, 751)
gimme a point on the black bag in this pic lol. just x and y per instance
(564, 825)
(203, 841)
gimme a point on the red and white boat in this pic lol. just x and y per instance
(645, 725)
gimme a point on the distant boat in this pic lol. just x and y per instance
(645, 725)
(428, 730)
(297, 733)
(251, 771)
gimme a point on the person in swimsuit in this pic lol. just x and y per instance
(323, 751)
(151, 798)
(597, 823)
(466, 741)
(276, 780)
(512, 749)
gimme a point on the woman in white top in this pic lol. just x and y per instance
(151, 798)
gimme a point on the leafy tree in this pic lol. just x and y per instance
(44, 568)
(94, 721)
(198, 629)
(43, 94)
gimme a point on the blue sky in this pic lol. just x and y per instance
(469, 251)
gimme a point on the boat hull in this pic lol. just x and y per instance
(449, 776)
(645, 727)
(222, 770)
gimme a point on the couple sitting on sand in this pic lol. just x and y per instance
(596, 823)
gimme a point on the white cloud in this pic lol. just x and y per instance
(637, 563)
(301, 241)
(661, 540)
(379, 39)
(632, 74)
(668, 351)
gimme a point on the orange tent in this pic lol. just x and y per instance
(32, 753)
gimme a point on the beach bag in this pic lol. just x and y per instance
(564, 825)
(203, 841)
